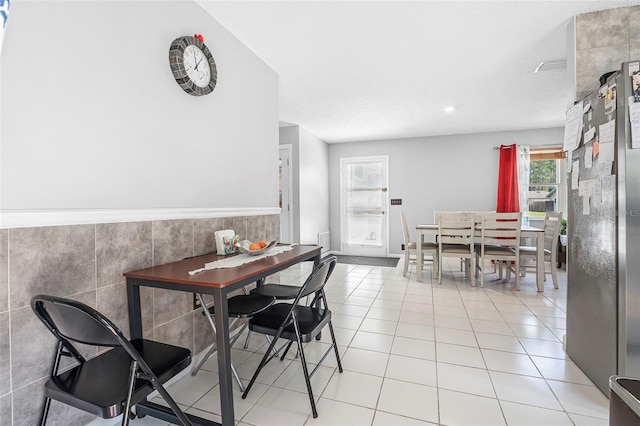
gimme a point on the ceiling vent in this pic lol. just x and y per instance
(552, 65)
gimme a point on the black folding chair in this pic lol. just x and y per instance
(112, 382)
(298, 323)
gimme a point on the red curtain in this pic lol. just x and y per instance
(508, 191)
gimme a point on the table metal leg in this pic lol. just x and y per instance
(135, 311)
(224, 356)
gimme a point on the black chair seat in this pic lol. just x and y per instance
(77, 387)
(279, 291)
(310, 321)
(246, 305)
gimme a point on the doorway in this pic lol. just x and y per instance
(363, 205)
(286, 224)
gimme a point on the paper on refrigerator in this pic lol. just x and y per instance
(573, 127)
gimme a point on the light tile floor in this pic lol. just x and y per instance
(416, 354)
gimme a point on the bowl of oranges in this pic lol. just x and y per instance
(255, 248)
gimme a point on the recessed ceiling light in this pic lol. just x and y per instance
(449, 109)
(552, 65)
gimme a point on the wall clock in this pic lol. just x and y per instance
(192, 65)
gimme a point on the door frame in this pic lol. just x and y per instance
(288, 149)
(384, 250)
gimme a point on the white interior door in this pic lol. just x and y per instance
(286, 224)
(364, 200)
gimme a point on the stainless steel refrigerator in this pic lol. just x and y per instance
(603, 267)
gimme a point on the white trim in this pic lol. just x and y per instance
(35, 218)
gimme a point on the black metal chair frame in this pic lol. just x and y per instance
(71, 321)
(242, 314)
(289, 327)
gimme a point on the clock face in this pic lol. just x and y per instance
(196, 66)
(193, 66)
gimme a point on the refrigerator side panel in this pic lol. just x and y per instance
(628, 235)
(592, 301)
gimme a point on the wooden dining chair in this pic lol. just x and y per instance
(500, 240)
(456, 233)
(551, 231)
(410, 249)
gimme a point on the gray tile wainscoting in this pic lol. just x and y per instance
(86, 262)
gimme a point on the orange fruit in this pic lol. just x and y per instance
(254, 246)
(261, 243)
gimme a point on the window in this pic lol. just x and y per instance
(545, 181)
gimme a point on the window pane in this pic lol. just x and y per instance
(543, 198)
(543, 171)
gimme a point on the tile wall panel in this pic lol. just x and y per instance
(256, 229)
(4, 270)
(146, 301)
(5, 352)
(603, 28)
(272, 227)
(122, 247)
(172, 240)
(202, 332)
(32, 348)
(604, 39)
(27, 403)
(169, 304)
(110, 304)
(238, 224)
(592, 63)
(204, 235)
(5, 409)
(177, 332)
(57, 260)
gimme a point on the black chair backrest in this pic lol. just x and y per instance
(318, 277)
(71, 320)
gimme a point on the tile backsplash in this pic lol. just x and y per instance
(86, 263)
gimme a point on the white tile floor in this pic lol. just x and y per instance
(418, 353)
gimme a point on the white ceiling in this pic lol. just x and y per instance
(368, 70)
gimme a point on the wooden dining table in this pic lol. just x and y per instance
(526, 231)
(219, 283)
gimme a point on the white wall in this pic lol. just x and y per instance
(310, 159)
(457, 172)
(93, 119)
(314, 187)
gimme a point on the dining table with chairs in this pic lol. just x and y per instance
(526, 231)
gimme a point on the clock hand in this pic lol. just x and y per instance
(195, 59)
(198, 63)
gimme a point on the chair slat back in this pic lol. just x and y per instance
(456, 228)
(552, 230)
(501, 229)
(75, 321)
(405, 228)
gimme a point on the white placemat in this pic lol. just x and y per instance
(241, 259)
